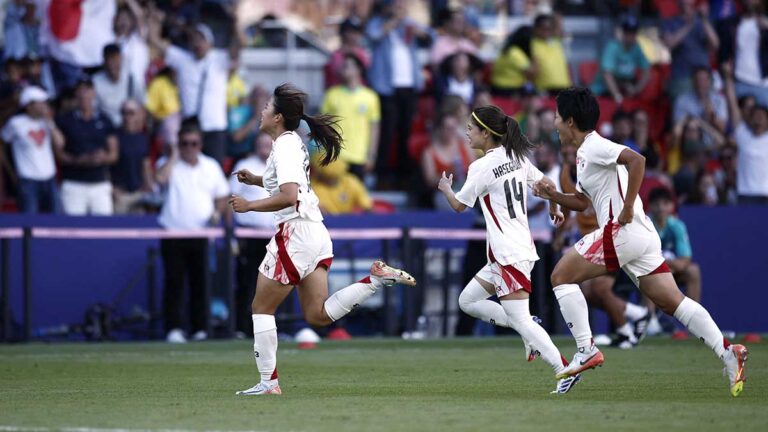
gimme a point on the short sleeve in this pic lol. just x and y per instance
(221, 60)
(374, 113)
(519, 59)
(220, 186)
(642, 61)
(533, 174)
(605, 153)
(287, 157)
(175, 57)
(474, 187)
(9, 131)
(682, 243)
(608, 61)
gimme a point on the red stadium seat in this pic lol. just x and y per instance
(608, 108)
(666, 8)
(587, 72)
(507, 104)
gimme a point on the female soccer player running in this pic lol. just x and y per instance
(301, 251)
(609, 176)
(499, 179)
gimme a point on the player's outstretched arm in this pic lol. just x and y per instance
(246, 177)
(444, 185)
(287, 197)
(545, 188)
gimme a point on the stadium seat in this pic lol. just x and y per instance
(507, 104)
(587, 72)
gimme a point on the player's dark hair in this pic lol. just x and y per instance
(289, 101)
(580, 104)
(660, 193)
(504, 130)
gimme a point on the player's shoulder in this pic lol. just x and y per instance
(288, 141)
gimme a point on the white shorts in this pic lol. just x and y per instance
(507, 279)
(630, 247)
(298, 248)
(80, 198)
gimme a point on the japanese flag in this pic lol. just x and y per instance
(76, 31)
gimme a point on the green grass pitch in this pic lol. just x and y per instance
(373, 385)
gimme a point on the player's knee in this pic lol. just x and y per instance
(317, 319)
(465, 300)
(557, 278)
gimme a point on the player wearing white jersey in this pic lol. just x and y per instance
(300, 254)
(609, 177)
(498, 180)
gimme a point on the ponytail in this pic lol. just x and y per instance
(504, 130)
(289, 101)
(324, 130)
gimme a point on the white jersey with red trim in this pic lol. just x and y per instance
(499, 182)
(289, 163)
(604, 181)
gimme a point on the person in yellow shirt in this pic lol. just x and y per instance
(236, 88)
(359, 111)
(164, 105)
(513, 68)
(549, 56)
(339, 191)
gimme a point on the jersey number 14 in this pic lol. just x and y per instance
(512, 194)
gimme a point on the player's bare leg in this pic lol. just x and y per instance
(269, 294)
(569, 272)
(516, 305)
(663, 291)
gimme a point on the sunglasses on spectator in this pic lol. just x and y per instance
(189, 143)
(128, 112)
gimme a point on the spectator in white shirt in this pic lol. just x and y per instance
(751, 134)
(252, 250)
(196, 197)
(130, 35)
(115, 84)
(31, 135)
(202, 75)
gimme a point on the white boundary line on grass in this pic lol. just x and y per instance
(10, 428)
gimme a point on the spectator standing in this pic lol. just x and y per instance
(244, 121)
(742, 39)
(395, 74)
(703, 102)
(32, 135)
(164, 105)
(751, 134)
(130, 35)
(451, 40)
(620, 63)
(115, 84)
(513, 68)
(90, 148)
(351, 33)
(251, 250)
(689, 36)
(548, 55)
(202, 75)
(21, 30)
(457, 77)
(359, 111)
(132, 175)
(196, 197)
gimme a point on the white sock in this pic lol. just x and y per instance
(473, 300)
(634, 312)
(520, 318)
(698, 321)
(344, 300)
(573, 306)
(265, 347)
(628, 331)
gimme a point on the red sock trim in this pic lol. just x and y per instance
(565, 362)
(274, 374)
(365, 280)
(726, 343)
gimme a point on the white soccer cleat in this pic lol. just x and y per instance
(735, 357)
(589, 359)
(261, 389)
(566, 384)
(389, 276)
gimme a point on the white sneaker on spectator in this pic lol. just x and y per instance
(176, 336)
(200, 335)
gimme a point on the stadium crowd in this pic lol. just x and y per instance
(96, 113)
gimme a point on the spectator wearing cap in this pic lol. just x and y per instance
(132, 174)
(359, 111)
(115, 84)
(743, 42)
(202, 75)
(452, 39)
(751, 135)
(90, 148)
(513, 68)
(703, 102)
(395, 74)
(548, 54)
(351, 34)
(21, 29)
(32, 135)
(196, 197)
(691, 38)
(621, 61)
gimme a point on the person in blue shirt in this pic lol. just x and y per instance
(675, 245)
(620, 63)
